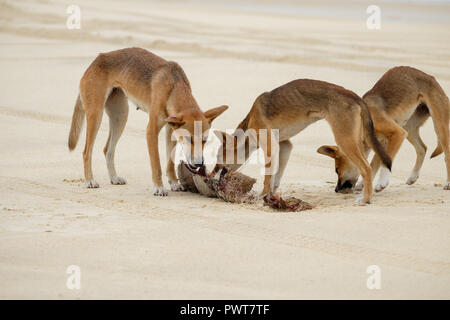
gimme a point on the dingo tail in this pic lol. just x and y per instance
(439, 98)
(437, 151)
(77, 123)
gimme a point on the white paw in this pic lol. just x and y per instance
(175, 186)
(91, 184)
(359, 186)
(118, 180)
(381, 185)
(160, 191)
(413, 178)
(360, 201)
(383, 180)
(447, 186)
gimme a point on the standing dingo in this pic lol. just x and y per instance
(290, 109)
(400, 103)
(158, 87)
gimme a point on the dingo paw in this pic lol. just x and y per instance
(381, 186)
(359, 186)
(92, 184)
(160, 191)
(175, 186)
(361, 201)
(118, 180)
(413, 178)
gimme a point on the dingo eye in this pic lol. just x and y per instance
(337, 171)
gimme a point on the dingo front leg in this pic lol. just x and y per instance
(348, 144)
(271, 162)
(153, 129)
(285, 151)
(170, 155)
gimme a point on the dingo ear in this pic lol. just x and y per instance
(215, 112)
(175, 121)
(330, 151)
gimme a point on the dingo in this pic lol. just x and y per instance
(290, 109)
(400, 103)
(158, 87)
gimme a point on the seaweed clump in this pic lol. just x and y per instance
(288, 204)
(232, 186)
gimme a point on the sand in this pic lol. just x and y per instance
(130, 244)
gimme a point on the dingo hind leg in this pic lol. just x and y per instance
(116, 108)
(93, 92)
(412, 127)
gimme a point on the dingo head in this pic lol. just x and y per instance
(191, 130)
(347, 173)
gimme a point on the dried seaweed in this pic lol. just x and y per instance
(185, 176)
(232, 186)
(289, 204)
(201, 182)
(228, 185)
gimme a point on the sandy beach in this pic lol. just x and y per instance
(130, 244)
